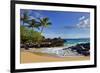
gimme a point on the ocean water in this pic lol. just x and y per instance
(73, 42)
(59, 52)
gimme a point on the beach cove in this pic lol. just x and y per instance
(35, 55)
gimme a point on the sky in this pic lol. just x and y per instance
(65, 24)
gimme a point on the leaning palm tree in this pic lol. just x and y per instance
(25, 17)
(44, 22)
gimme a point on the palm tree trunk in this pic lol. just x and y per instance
(41, 29)
(23, 23)
(33, 28)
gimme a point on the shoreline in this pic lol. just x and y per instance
(27, 56)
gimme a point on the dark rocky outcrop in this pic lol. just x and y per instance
(45, 43)
(81, 48)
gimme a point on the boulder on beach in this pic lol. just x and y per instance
(82, 49)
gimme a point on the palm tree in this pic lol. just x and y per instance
(25, 17)
(44, 22)
(33, 24)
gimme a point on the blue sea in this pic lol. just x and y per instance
(72, 42)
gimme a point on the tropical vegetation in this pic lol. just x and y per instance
(28, 32)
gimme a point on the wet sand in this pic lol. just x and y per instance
(31, 57)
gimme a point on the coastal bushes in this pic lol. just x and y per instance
(29, 35)
(31, 38)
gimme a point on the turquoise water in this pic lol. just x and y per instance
(72, 42)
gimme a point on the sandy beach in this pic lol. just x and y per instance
(34, 57)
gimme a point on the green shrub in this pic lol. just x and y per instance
(29, 35)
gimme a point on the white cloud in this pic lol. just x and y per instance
(37, 14)
(31, 17)
(81, 18)
(83, 22)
